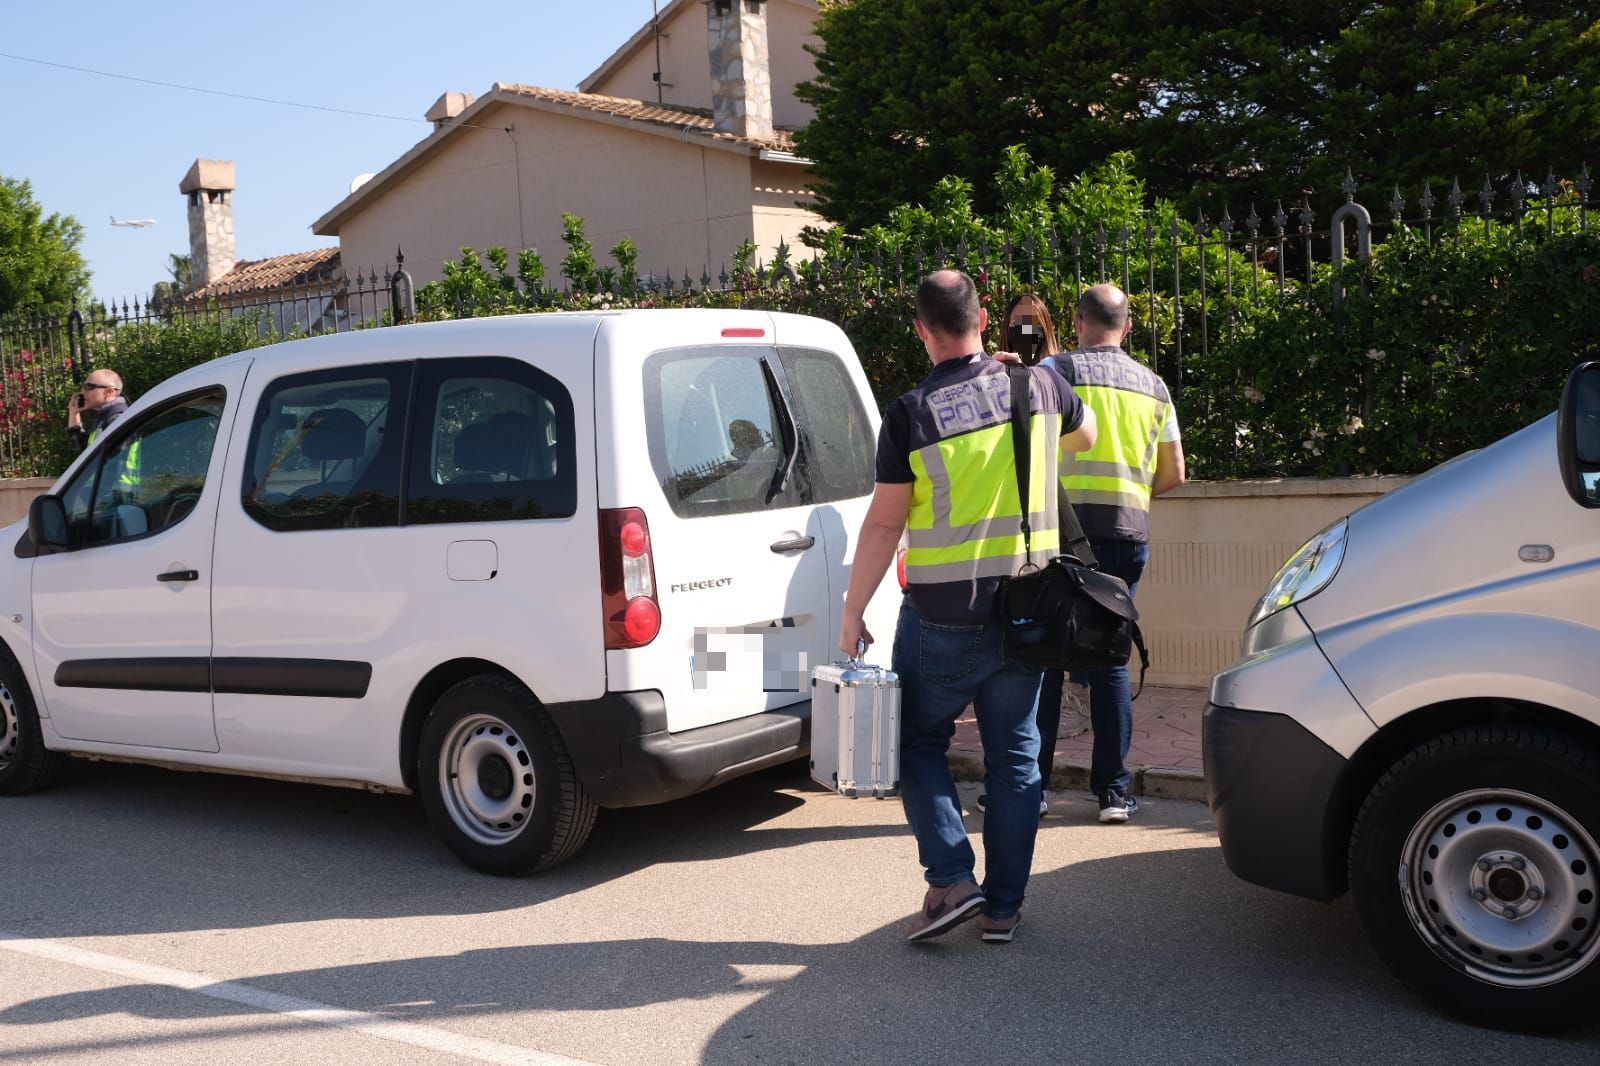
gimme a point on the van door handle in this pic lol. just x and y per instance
(794, 544)
(179, 575)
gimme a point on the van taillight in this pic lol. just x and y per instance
(627, 579)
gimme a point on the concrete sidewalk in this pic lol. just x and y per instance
(1164, 756)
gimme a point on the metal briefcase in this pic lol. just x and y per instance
(855, 729)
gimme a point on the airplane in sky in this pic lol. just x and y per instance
(132, 223)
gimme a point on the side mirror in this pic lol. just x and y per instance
(1578, 435)
(47, 524)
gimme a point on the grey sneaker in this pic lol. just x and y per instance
(999, 930)
(1116, 806)
(945, 908)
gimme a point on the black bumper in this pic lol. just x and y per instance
(626, 758)
(1273, 788)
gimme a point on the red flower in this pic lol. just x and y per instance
(1588, 272)
(27, 356)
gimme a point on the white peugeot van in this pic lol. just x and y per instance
(525, 567)
(1417, 718)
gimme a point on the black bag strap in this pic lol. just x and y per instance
(1021, 447)
(1076, 543)
(1144, 657)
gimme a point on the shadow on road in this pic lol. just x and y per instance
(230, 846)
(1148, 956)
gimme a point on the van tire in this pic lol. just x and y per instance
(1506, 935)
(25, 764)
(504, 796)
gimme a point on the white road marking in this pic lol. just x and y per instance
(307, 1010)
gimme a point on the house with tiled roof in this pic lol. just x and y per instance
(682, 141)
(300, 290)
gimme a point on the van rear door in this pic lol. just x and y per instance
(839, 421)
(736, 544)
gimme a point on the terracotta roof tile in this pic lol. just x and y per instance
(274, 272)
(697, 119)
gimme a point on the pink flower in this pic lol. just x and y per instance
(27, 356)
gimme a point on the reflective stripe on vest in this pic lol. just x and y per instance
(1120, 470)
(966, 516)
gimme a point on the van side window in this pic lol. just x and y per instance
(325, 449)
(150, 478)
(493, 440)
(716, 437)
(839, 442)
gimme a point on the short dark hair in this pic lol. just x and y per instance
(1105, 306)
(947, 303)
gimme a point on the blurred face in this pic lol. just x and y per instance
(1025, 332)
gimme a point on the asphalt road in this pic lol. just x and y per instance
(155, 917)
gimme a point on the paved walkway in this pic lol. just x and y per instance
(1165, 747)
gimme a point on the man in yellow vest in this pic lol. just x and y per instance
(947, 479)
(1139, 455)
(102, 399)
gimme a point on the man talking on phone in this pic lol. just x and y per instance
(101, 398)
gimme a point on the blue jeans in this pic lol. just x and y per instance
(942, 669)
(1110, 699)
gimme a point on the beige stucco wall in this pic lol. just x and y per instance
(779, 197)
(1214, 546)
(17, 493)
(686, 62)
(684, 205)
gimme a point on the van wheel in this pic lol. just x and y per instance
(1475, 870)
(25, 764)
(497, 782)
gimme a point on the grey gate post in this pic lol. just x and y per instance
(1363, 221)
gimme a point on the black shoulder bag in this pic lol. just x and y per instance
(1065, 615)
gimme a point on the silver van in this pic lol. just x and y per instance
(1416, 719)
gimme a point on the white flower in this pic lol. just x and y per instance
(1312, 361)
(1253, 394)
(1351, 426)
(1376, 354)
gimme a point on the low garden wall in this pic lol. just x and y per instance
(1214, 547)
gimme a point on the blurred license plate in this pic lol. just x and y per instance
(764, 658)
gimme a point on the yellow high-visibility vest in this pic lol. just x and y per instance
(1110, 484)
(965, 522)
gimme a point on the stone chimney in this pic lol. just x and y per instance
(741, 80)
(448, 107)
(209, 187)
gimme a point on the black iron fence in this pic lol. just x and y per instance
(1195, 286)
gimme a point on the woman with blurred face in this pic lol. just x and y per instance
(1029, 330)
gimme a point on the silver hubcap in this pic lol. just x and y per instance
(10, 730)
(486, 778)
(1503, 886)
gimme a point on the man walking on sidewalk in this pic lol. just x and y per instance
(946, 475)
(1139, 454)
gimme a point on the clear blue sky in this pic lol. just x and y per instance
(96, 147)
